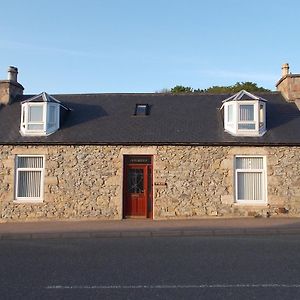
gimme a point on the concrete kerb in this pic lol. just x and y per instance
(151, 234)
(146, 228)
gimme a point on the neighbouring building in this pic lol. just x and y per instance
(113, 156)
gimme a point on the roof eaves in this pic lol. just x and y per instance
(204, 143)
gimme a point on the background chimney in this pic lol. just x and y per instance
(285, 70)
(289, 85)
(10, 88)
(12, 73)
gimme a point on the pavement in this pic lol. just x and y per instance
(149, 228)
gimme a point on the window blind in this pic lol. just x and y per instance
(249, 186)
(250, 178)
(29, 184)
(29, 176)
(30, 162)
(246, 113)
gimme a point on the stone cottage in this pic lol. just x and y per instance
(114, 156)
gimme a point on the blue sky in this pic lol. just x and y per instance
(147, 45)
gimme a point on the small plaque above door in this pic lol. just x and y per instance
(137, 160)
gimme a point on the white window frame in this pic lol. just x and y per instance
(239, 121)
(42, 122)
(262, 116)
(48, 128)
(264, 179)
(25, 119)
(259, 118)
(17, 170)
(230, 109)
(49, 124)
(258, 123)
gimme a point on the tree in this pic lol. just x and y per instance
(181, 89)
(247, 85)
(216, 89)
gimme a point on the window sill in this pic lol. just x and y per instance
(244, 133)
(264, 204)
(33, 133)
(27, 201)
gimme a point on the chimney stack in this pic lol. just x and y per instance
(10, 88)
(289, 85)
(12, 73)
(285, 70)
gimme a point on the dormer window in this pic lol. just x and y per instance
(40, 115)
(245, 114)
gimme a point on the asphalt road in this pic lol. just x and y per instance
(252, 267)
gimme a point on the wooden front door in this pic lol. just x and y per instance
(137, 187)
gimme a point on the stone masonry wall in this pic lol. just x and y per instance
(200, 181)
(86, 182)
(290, 87)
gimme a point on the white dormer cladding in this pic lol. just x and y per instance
(40, 115)
(245, 114)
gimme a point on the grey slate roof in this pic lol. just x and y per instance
(174, 119)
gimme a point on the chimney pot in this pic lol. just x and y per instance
(12, 74)
(285, 69)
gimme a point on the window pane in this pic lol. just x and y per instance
(35, 126)
(141, 109)
(29, 184)
(261, 115)
(35, 113)
(52, 111)
(30, 162)
(23, 114)
(135, 181)
(230, 113)
(249, 163)
(246, 112)
(246, 126)
(249, 186)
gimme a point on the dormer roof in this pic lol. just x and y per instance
(243, 95)
(44, 97)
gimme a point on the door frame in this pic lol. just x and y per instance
(149, 200)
